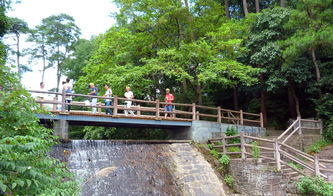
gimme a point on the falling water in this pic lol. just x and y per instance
(118, 168)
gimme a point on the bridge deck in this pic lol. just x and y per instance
(85, 118)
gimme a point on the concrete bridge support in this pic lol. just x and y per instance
(202, 131)
(61, 128)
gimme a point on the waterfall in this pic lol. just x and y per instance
(105, 167)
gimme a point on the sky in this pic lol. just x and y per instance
(91, 16)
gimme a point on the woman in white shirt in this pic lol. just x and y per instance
(128, 103)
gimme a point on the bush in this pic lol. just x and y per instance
(328, 129)
(215, 153)
(26, 168)
(316, 147)
(255, 150)
(229, 180)
(224, 160)
(210, 146)
(314, 186)
(230, 132)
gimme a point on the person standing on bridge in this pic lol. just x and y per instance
(67, 87)
(169, 99)
(128, 103)
(108, 102)
(93, 92)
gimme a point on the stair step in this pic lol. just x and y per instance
(296, 177)
(291, 173)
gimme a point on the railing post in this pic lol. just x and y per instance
(115, 105)
(219, 118)
(157, 108)
(242, 145)
(316, 165)
(63, 101)
(224, 143)
(261, 120)
(299, 125)
(193, 111)
(139, 112)
(241, 117)
(99, 110)
(277, 155)
(198, 115)
(321, 126)
(55, 105)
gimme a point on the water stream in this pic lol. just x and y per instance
(119, 168)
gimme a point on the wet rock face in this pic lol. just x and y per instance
(127, 169)
(109, 168)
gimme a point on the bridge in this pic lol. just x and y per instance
(148, 114)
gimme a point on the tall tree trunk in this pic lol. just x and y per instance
(190, 20)
(18, 53)
(316, 65)
(245, 8)
(314, 60)
(257, 6)
(235, 97)
(263, 104)
(291, 101)
(226, 8)
(58, 71)
(198, 92)
(44, 62)
(186, 3)
(283, 3)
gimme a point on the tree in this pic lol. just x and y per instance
(313, 21)
(61, 34)
(18, 27)
(246, 12)
(73, 64)
(40, 48)
(26, 168)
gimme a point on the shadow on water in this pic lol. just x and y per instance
(119, 168)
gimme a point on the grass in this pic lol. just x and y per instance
(316, 147)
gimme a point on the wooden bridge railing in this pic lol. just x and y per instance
(155, 108)
(277, 151)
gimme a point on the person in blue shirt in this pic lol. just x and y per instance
(93, 92)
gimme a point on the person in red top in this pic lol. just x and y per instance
(168, 98)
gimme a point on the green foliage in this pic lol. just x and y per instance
(316, 147)
(124, 133)
(295, 165)
(215, 153)
(73, 64)
(229, 180)
(210, 146)
(224, 160)
(314, 186)
(255, 150)
(231, 131)
(26, 168)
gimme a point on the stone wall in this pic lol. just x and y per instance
(252, 178)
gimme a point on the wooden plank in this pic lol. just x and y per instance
(291, 134)
(293, 168)
(208, 115)
(206, 107)
(226, 145)
(230, 153)
(251, 114)
(295, 159)
(248, 120)
(227, 110)
(309, 120)
(243, 150)
(260, 147)
(258, 138)
(232, 136)
(45, 92)
(288, 129)
(326, 160)
(318, 128)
